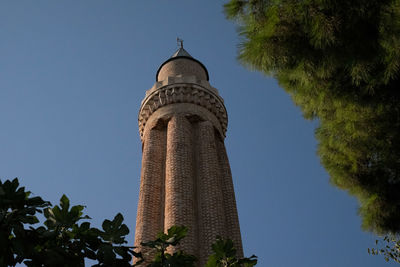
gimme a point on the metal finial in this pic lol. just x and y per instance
(179, 41)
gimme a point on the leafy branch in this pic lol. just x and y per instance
(390, 248)
(66, 238)
(63, 240)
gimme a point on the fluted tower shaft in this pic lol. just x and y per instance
(186, 177)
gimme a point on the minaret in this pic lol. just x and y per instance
(186, 177)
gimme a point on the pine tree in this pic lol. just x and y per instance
(339, 61)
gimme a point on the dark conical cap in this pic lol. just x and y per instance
(181, 53)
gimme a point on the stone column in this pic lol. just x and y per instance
(211, 209)
(179, 182)
(231, 214)
(150, 210)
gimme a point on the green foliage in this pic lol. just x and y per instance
(225, 256)
(17, 209)
(390, 248)
(172, 238)
(63, 240)
(340, 62)
(224, 252)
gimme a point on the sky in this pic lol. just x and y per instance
(72, 76)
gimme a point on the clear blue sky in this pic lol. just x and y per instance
(72, 76)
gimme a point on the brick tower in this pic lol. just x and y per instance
(186, 177)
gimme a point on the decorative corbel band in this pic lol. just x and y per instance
(182, 93)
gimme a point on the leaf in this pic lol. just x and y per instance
(115, 231)
(85, 226)
(118, 219)
(76, 211)
(175, 234)
(106, 225)
(30, 220)
(212, 261)
(64, 202)
(106, 254)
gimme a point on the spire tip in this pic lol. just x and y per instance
(179, 42)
